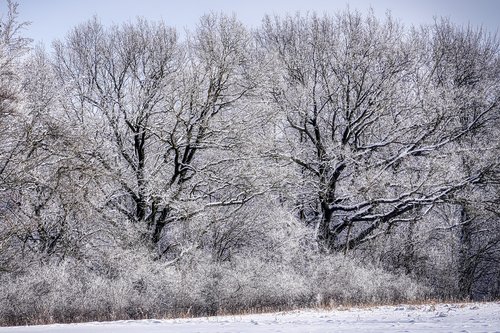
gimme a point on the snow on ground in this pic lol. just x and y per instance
(480, 317)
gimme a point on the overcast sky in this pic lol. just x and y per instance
(52, 19)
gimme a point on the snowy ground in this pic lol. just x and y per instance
(481, 317)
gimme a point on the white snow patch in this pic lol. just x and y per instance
(481, 317)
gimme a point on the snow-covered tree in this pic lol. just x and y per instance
(12, 47)
(161, 117)
(371, 129)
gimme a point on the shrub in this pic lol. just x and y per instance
(139, 287)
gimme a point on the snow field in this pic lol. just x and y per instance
(464, 318)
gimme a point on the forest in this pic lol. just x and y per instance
(313, 161)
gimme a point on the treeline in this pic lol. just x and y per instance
(316, 160)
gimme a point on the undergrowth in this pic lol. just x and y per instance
(135, 287)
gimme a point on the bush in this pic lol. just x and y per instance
(133, 286)
(341, 280)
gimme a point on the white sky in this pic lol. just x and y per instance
(52, 19)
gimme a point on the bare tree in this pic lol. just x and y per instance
(156, 115)
(466, 61)
(12, 47)
(366, 123)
